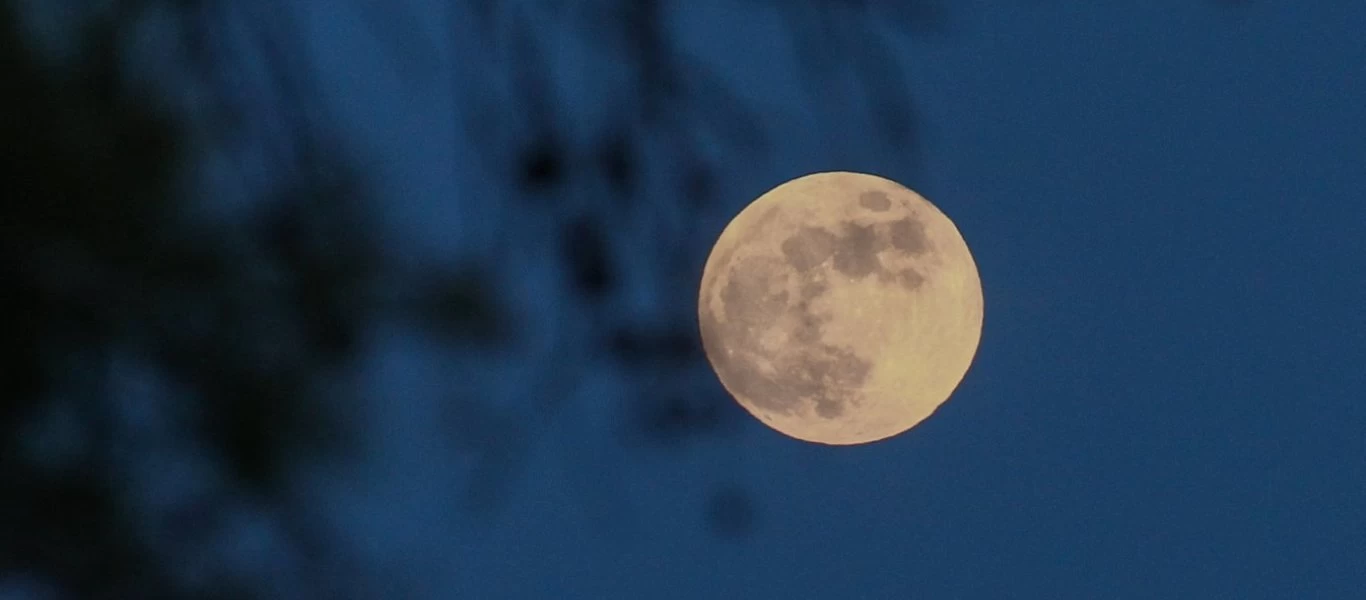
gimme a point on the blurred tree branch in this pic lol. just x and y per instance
(248, 322)
(104, 260)
(666, 107)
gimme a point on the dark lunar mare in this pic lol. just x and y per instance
(874, 201)
(755, 299)
(809, 371)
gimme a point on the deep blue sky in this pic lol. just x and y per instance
(1165, 200)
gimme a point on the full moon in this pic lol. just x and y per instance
(840, 308)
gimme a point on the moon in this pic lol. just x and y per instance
(840, 308)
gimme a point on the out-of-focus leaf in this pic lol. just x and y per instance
(731, 513)
(541, 165)
(588, 259)
(886, 90)
(616, 159)
(675, 415)
(635, 345)
(459, 306)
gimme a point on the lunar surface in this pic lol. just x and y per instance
(840, 308)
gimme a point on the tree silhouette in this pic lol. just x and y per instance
(241, 325)
(147, 335)
(114, 284)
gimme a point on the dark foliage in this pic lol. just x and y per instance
(731, 513)
(675, 416)
(587, 257)
(542, 166)
(102, 262)
(635, 345)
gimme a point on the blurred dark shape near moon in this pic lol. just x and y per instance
(840, 308)
(731, 513)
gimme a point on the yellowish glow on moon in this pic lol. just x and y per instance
(840, 308)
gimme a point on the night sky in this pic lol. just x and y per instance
(1165, 203)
